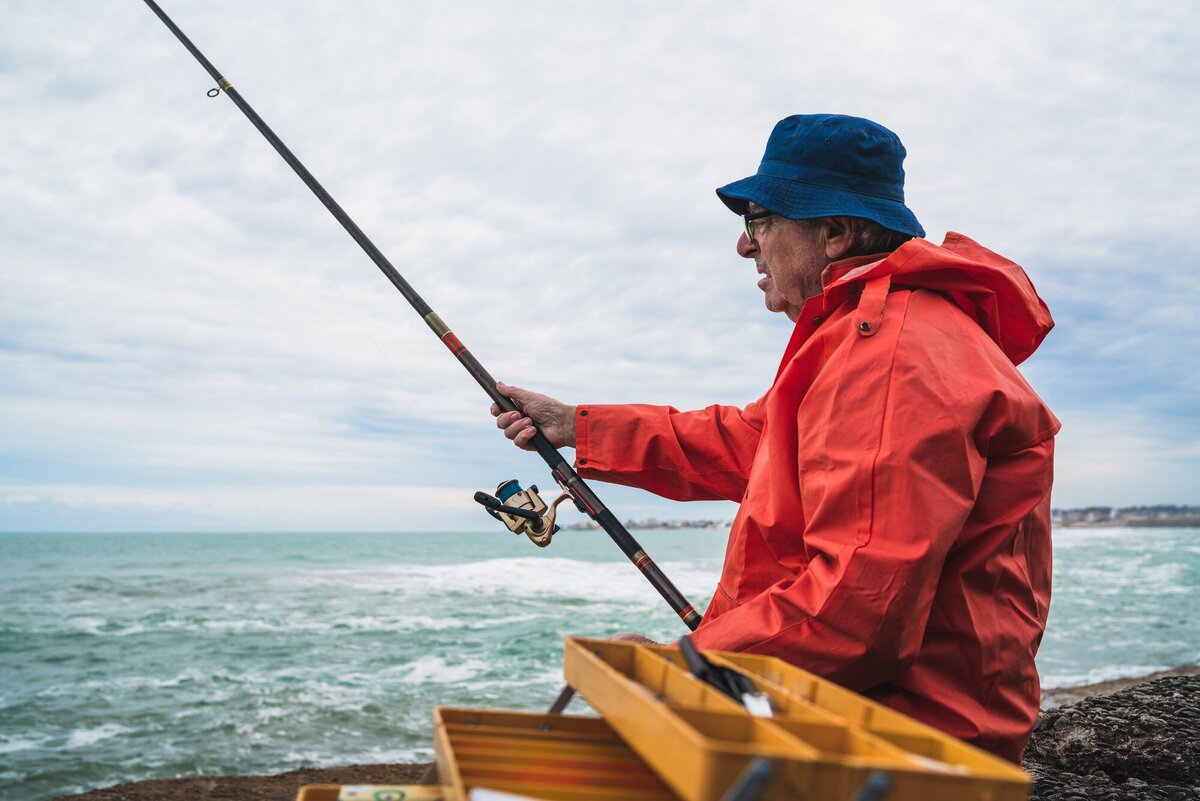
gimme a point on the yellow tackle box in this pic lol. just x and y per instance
(560, 757)
(823, 739)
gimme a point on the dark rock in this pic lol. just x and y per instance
(1138, 743)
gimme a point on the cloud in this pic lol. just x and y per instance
(178, 313)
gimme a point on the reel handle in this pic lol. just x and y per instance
(493, 505)
(522, 511)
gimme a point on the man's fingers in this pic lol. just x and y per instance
(517, 427)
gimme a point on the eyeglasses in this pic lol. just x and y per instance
(750, 217)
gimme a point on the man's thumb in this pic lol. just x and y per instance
(514, 394)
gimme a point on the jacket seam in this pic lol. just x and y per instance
(728, 597)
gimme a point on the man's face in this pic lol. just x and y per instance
(790, 256)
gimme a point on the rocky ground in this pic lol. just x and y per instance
(1138, 743)
(1126, 739)
(281, 787)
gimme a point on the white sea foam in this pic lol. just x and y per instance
(97, 626)
(435, 670)
(303, 623)
(10, 745)
(538, 678)
(523, 578)
(126, 684)
(1095, 676)
(370, 756)
(82, 738)
(89, 625)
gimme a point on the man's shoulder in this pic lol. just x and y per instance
(933, 321)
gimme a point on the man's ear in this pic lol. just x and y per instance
(839, 236)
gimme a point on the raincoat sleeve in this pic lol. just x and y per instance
(686, 456)
(894, 439)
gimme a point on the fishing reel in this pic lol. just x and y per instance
(523, 511)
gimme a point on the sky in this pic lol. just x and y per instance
(190, 342)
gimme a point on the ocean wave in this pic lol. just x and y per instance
(11, 745)
(296, 623)
(1059, 681)
(436, 670)
(82, 738)
(520, 681)
(526, 577)
(376, 755)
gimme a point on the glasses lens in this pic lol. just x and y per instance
(750, 219)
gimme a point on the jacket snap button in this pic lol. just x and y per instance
(864, 326)
(583, 413)
(817, 320)
(855, 288)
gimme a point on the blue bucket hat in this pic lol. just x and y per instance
(829, 165)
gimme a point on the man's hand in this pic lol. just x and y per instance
(555, 418)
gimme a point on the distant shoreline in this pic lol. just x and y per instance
(1183, 522)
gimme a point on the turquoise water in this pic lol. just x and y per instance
(131, 656)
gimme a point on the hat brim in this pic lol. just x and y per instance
(801, 201)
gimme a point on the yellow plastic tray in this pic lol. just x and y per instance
(561, 757)
(824, 739)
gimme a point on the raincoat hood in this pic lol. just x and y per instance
(992, 290)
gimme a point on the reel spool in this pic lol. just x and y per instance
(523, 511)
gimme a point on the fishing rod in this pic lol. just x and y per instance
(572, 485)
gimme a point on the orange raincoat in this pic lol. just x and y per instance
(894, 482)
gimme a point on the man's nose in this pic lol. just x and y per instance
(746, 248)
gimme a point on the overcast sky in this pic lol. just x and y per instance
(188, 340)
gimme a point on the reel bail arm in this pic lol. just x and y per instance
(523, 511)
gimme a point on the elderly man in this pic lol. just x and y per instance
(893, 533)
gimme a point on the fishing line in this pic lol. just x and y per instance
(290, 214)
(562, 471)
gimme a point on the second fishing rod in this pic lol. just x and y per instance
(564, 474)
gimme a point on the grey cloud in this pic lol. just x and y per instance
(543, 174)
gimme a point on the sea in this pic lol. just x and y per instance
(135, 656)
